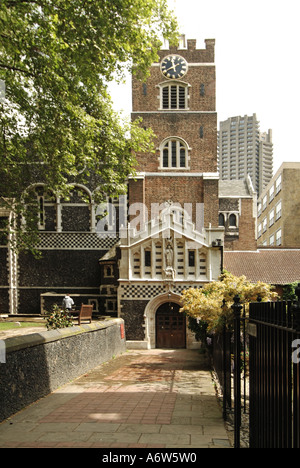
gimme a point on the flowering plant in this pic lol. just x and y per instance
(212, 303)
(58, 318)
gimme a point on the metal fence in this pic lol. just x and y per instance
(230, 361)
(274, 375)
(265, 388)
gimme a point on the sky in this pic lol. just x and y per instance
(257, 55)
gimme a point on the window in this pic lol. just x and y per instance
(180, 259)
(265, 201)
(278, 210)
(221, 219)
(158, 260)
(147, 262)
(202, 264)
(232, 220)
(191, 258)
(265, 224)
(278, 184)
(191, 263)
(173, 96)
(271, 217)
(259, 230)
(174, 154)
(41, 217)
(136, 265)
(278, 237)
(110, 306)
(259, 209)
(147, 258)
(108, 271)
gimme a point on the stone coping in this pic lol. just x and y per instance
(34, 339)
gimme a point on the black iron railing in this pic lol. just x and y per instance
(274, 374)
(267, 387)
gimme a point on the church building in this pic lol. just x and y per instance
(172, 240)
(163, 237)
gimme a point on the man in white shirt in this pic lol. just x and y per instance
(67, 302)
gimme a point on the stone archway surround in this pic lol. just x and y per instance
(150, 318)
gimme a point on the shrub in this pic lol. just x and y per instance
(58, 318)
(212, 303)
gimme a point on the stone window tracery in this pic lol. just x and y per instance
(174, 154)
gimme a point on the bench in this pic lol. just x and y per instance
(85, 313)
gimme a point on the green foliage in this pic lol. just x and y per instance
(199, 328)
(57, 124)
(58, 318)
(212, 303)
(289, 291)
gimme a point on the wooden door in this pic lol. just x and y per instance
(170, 327)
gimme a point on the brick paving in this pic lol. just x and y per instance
(141, 399)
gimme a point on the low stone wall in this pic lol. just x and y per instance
(39, 363)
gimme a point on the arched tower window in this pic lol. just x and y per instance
(174, 154)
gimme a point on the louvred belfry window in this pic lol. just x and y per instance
(174, 97)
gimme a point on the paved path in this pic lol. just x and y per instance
(141, 399)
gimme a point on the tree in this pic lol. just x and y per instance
(57, 123)
(289, 291)
(212, 303)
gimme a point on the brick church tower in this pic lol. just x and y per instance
(172, 241)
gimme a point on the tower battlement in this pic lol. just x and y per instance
(191, 52)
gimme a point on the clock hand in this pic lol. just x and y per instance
(171, 68)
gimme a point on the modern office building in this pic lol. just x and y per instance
(243, 150)
(278, 216)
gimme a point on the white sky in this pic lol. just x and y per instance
(257, 63)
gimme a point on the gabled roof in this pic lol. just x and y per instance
(111, 254)
(271, 266)
(165, 228)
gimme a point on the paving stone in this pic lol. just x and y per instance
(141, 399)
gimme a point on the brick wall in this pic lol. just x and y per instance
(247, 229)
(203, 150)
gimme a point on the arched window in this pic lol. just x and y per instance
(43, 204)
(232, 220)
(221, 219)
(174, 154)
(173, 96)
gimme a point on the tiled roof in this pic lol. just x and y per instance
(235, 188)
(272, 266)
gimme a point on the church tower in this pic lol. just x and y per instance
(172, 241)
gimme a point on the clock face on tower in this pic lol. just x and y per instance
(174, 66)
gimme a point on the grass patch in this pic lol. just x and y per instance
(11, 325)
